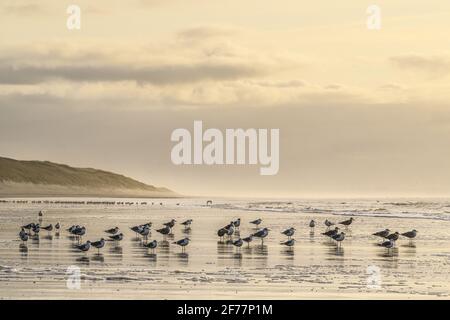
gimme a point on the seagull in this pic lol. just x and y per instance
(237, 223)
(113, 230)
(145, 232)
(347, 222)
(230, 230)
(339, 238)
(387, 244)
(312, 224)
(49, 228)
(328, 223)
(138, 229)
(382, 234)
(222, 232)
(238, 243)
(85, 246)
(40, 214)
(262, 234)
(36, 228)
(248, 240)
(331, 233)
(117, 237)
(152, 245)
(393, 236)
(289, 243)
(289, 232)
(256, 222)
(99, 244)
(79, 232)
(410, 234)
(29, 226)
(72, 228)
(183, 243)
(170, 224)
(187, 223)
(23, 235)
(164, 231)
(57, 226)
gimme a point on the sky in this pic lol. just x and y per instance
(361, 112)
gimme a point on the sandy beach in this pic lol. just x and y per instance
(314, 269)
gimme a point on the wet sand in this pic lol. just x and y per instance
(314, 269)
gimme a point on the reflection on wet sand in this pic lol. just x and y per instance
(98, 257)
(288, 253)
(183, 259)
(85, 260)
(23, 249)
(48, 237)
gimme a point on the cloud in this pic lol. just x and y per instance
(432, 65)
(22, 9)
(156, 75)
(205, 32)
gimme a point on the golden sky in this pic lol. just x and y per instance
(361, 112)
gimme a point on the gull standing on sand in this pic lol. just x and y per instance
(183, 243)
(256, 222)
(238, 243)
(117, 237)
(221, 233)
(72, 228)
(389, 244)
(23, 235)
(164, 231)
(410, 234)
(84, 247)
(152, 245)
(230, 230)
(339, 238)
(289, 232)
(170, 224)
(145, 232)
(331, 233)
(346, 223)
(237, 223)
(49, 228)
(29, 226)
(112, 230)
(36, 228)
(289, 243)
(138, 229)
(187, 223)
(393, 236)
(328, 223)
(79, 233)
(262, 234)
(57, 226)
(312, 224)
(382, 234)
(98, 244)
(248, 240)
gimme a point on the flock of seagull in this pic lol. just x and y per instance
(333, 234)
(114, 234)
(143, 230)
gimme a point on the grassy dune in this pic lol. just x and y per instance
(43, 178)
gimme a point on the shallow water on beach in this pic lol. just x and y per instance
(314, 268)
